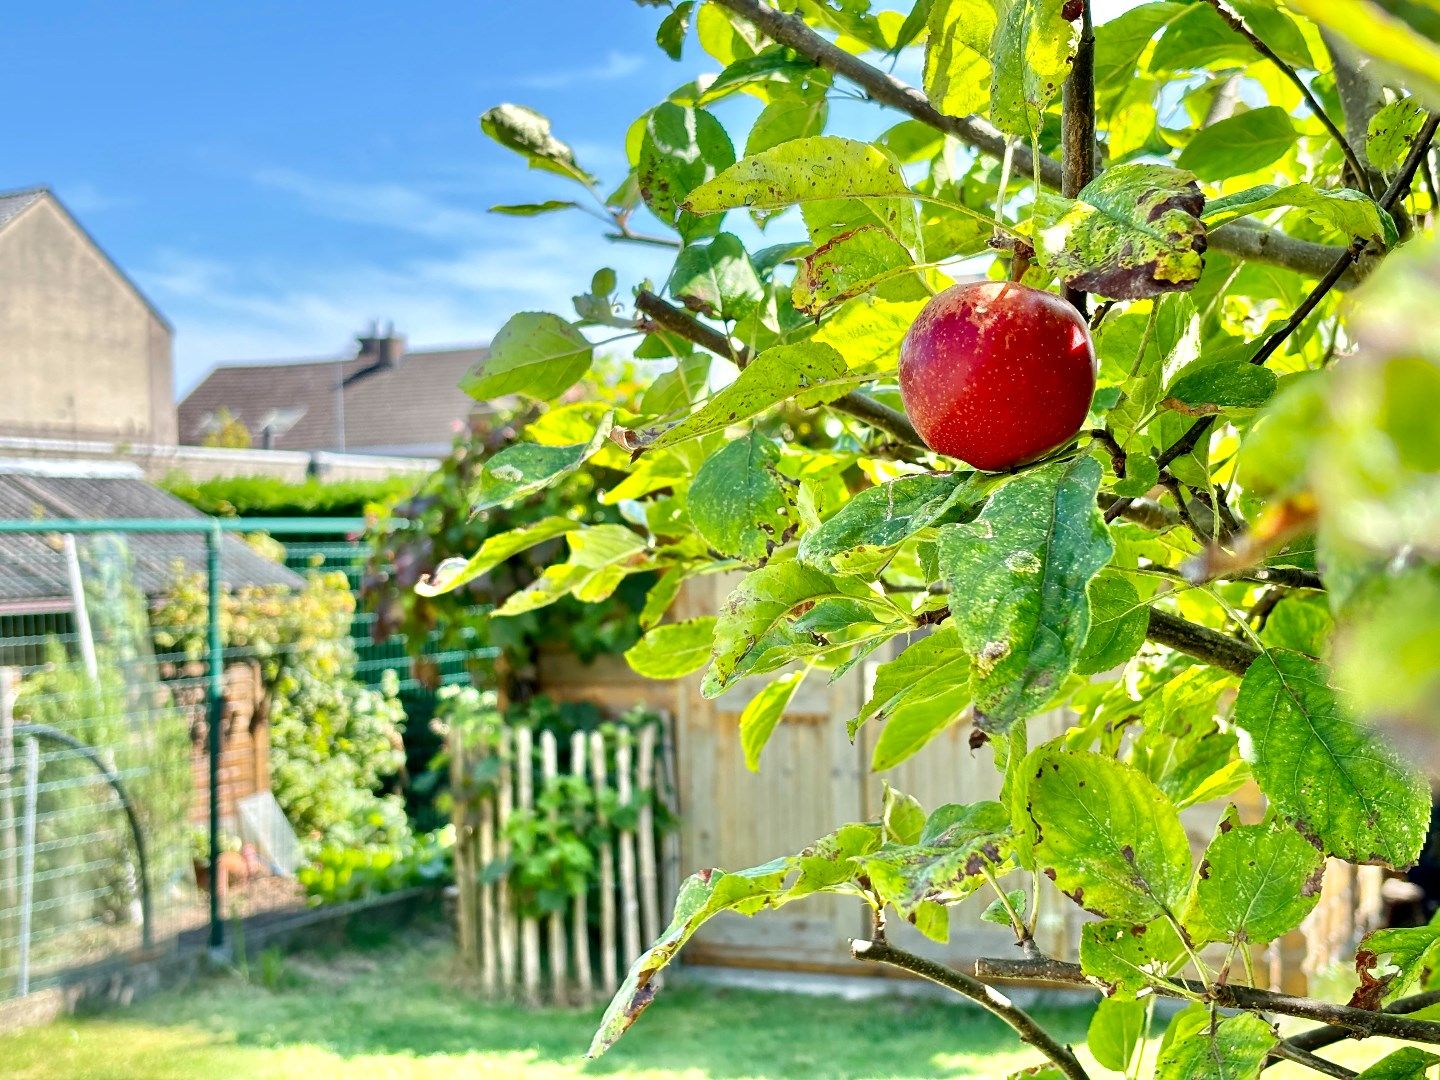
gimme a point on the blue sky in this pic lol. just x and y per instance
(275, 175)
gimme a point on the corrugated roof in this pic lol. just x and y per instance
(416, 405)
(32, 565)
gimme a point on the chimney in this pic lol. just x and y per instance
(380, 352)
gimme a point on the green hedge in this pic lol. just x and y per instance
(265, 496)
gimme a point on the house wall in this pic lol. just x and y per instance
(81, 353)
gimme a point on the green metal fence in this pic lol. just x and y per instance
(135, 812)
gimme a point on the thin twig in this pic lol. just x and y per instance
(1237, 24)
(990, 999)
(1077, 127)
(1287, 1051)
(1246, 240)
(1360, 1023)
(861, 406)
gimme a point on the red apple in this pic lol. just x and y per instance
(997, 373)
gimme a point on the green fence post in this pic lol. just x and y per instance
(215, 708)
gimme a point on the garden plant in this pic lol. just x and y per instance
(1174, 466)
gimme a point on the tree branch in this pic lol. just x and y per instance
(1288, 1051)
(1077, 127)
(1236, 23)
(990, 999)
(1247, 241)
(861, 406)
(1356, 1023)
(1328, 1034)
(1361, 97)
(1213, 647)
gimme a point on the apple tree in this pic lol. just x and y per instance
(1168, 457)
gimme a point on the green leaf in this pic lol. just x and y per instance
(789, 117)
(1387, 642)
(1234, 1048)
(902, 816)
(682, 148)
(1407, 1063)
(933, 666)
(527, 132)
(601, 556)
(716, 279)
(1127, 956)
(1240, 144)
(1115, 1030)
(803, 170)
(1391, 961)
(757, 630)
(677, 390)
(1121, 42)
(1181, 747)
(808, 372)
(453, 573)
(1033, 46)
(996, 911)
(958, 845)
(661, 595)
(1208, 389)
(701, 897)
(1118, 622)
(1349, 211)
(549, 206)
(1105, 834)
(536, 354)
(862, 535)
(673, 28)
(525, 468)
(1323, 770)
(1134, 231)
(1018, 576)
(1256, 883)
(740, 503)
(920, 714)
(852, 263)
(957, 55)
(1392, 131)
(673, 650)
(776, 64)
(763, 713)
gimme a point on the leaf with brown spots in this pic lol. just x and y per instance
(1108, 837)
(1256, 882)
(1134, 231)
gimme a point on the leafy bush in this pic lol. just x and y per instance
(341, 872)
(267, 496)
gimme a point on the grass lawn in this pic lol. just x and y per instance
(400, 1012)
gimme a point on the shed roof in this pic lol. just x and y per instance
(33, 573)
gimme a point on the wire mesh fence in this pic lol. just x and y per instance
(139, 776)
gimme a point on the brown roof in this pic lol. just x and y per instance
(413, 407)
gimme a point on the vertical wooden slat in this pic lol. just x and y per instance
(529, 926)
(506, 930)
(550, 770)
(579, 915)
(670, 790)
(630, 901)
(609, 977)
(487, 905)
(465, 876)
(645, 835)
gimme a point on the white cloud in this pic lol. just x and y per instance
(476, 271)
(617, 65)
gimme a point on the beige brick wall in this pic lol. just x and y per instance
(81, 354)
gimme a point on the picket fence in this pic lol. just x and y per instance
(579, 958)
